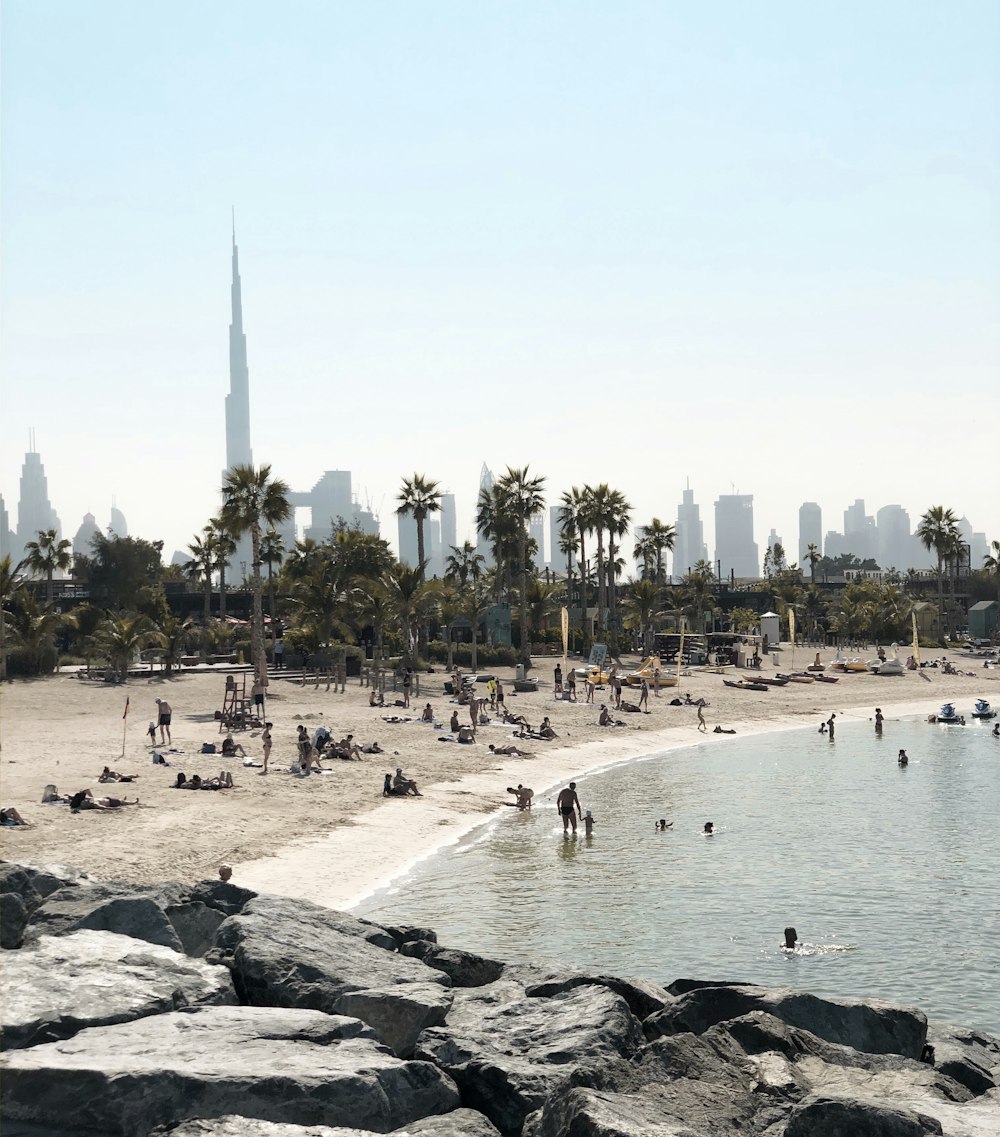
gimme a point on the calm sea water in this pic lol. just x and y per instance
(889, 875)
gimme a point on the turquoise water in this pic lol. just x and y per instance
(889, 875)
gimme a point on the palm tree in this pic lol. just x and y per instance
(200, 567)
(937, 530)
(595, 512)
(411, 599)
(573, 518)
(657, 537)
(11, 583)
(173, 634)
(522, 498)
(46, 555)
(372, 606)
(32, 627)
(305, 557)
(543, 602)
(641, 603)
(419, 497)
(252, 499)
(272, 550)
(496, 523)
(325, 607)
(569, 543)
(991, 562)
(618, 516)
(449, 609)
(813, 557)
(223, 547)
(124, 635)
(475, 603)
(465, 563)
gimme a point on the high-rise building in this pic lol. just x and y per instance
(82, 542)
(34, 510)
(449, 527)
(893, 538)
(482, 544)
(6, 533)
(810, 531)
(406, 529)
(735, 549)
(332, 506)
(859, 531)
(689, 537)
(536, 531)
(238, 451)
(118, 526)
(773, 539)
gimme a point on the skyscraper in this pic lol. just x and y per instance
(82, 546)
(6, 534)
(482, 544)
(735, 549)
(859, 530)
(449, 527)
(406, 529)
(810, 531)
(536, 531)
(34, 510)
(238, 452)
(893, 538)
(689, 538)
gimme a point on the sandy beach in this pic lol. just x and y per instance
(334, 838)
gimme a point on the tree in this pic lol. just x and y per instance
(813, 557)
(251, 500)
(272, 550)
(641, 604)
(11, 583)
(419, 498)
(120, 571)
(123, 636)
(498, 526)
(522, 499)
(200, 567)
(324, 605)
(172, 638)
(33, 627)
(474, 604)
(573, 518)
(657, 538)
(465, 563)
(617, 519)
(595, 511)
(223, 547)
(937, 531)
(991, 562)
(411, 599)
(46, 555)
(449, 609)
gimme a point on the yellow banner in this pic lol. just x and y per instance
(791, 626)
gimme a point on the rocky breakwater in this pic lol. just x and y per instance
(208, 1010)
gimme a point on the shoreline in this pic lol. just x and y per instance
(364, 841)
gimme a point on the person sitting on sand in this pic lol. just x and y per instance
(523, 795)
(231, 748)
(427, 715)
(453, 725)
(376, 698)
(466, 735)
(516, 720)
(10, 817)
(113, 776)
(347, 749)
(401, 784)
(321, 739)
(545, 730)
(606, 719)
(373, 749)
(511, 751)
(84, 799)
(387, 786)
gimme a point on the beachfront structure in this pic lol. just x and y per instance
(983, 619)
(735, 549)
(238, 451)
(689, 536)
(34, 510)
(810, 530)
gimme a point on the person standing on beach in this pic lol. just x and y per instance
(830, 725)
(164, 714)
(702, 725)
(265, 740)
(558, 678)
(571, 683)
(500, 703)
(474, 713)
(566, 803)
(257, 691)
(407, 682)
(279, 655)
(644, 697)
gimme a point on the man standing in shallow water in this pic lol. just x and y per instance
(565, 803)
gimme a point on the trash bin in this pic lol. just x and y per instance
(519, 673)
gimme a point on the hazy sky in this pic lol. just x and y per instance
(752, 245)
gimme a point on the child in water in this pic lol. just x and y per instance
(588, 823)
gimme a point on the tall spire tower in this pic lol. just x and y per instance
(238, 452)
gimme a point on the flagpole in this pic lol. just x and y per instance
(125, 724)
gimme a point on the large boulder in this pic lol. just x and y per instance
(643, 998)
(874, 1027)
(837, 1117)
(508, 1052)
(460, 1123)
(64, 984)
(23, 887)
(295, 1066)
(581, 1112)
(129, 910)
(464, 968)
(285, 953)
(222, 895)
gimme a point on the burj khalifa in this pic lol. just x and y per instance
(238, 452)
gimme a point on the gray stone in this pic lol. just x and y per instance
(874, 1027)
(129, 910)
(970, 1057)
(404, 933)
(839, 1117)
(195, 925)
(293, 954)
(643, 998)
(223, 895)
(62, 984)
(459, 1123)
(302, 1067)
(43, 878)
(463, 967)
(597, 1113)
(508, 1053)
(13, 919)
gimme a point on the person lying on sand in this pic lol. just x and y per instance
(396, 718)
(629, 708)
(373, 749)
(511, 751)
(84, 799)
(523, 795)
(722, 730)
(113, 776)
(516, 720)
(196, 782)
(10, 817)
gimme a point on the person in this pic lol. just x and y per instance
(279, 655)
(500, 702)
(617, 684)
(996, 730)
(566, 803)
(376, 698)
(466, 735)
(407, 683)
(822, 728)
(165, 713)
(558, 679)
(401, 784)
(510, 751)
(321, 739)
(830, 724)
(474, 713)
(588, 823)
(266, 741)
(571, 683)
(10, 817)
(605, 718)
(308, 756)
(791, 938)
(348, 748)
(427, 715)
(523, 795)
(709, 829)
(108, 775)
(702, 725)
(84, 799)
(545, 730)
(644, 696)
(903, 760)
(491, 690)
(231, 748)
(387, 786)
(663, 825)
(257, 691)
(656, 682)
(225, 873)
(454, 725)
(151, 731)
(373, 749)
(879, 718)
(723, 730)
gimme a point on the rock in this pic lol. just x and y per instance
(129, 910)
(463, 967)
(643, 998)
(595, 1113)
(62, 984)
(43, 878)
(874, 1027)
(23, 887)
(195, 925)
(407, 932)
(508, 1052)
(222, 895)
(459, 1123)
(14, 915)
(295, 1066)
(682, 986)
(838, 1117)
(971, 1058)
(287, 953)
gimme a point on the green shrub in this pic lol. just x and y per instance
(22, 663)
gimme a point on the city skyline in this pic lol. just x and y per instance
(753, 249)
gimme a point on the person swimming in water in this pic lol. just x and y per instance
(662, 825)
(903, 760)
(709, 830)
(791, 938)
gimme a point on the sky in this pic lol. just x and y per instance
(750, 247)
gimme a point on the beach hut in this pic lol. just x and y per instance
(927, 620)
(983, 619)
(770, 626)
